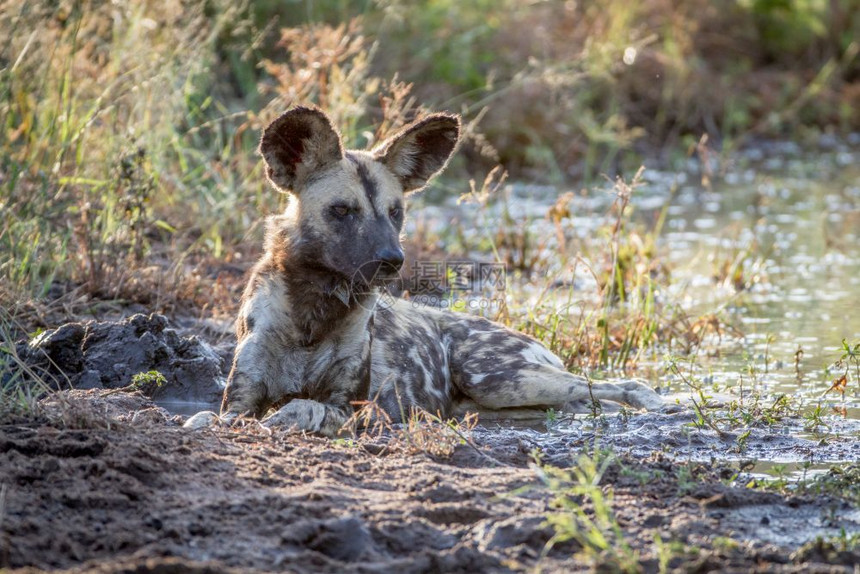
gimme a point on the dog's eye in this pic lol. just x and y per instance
(395, 212)
(340, 210)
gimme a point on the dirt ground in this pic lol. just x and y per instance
(107, 482)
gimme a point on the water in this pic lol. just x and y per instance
(796, 230)
(187, 408)
(804, 269)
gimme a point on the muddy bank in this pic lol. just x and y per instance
(677, 436)
(109, 354)
(125, 489)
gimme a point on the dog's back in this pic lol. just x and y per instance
(434, 359)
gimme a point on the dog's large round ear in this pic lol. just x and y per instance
(299, 142)
(421, 150)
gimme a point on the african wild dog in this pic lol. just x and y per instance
(311, 338)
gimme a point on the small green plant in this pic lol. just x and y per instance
(344, 442)
(584, 513)
(813, 420)
(146, 383)
(18, 397)
(685, 478)
(703, 416)
(742, 440)
(850, 356)
(840, 481)
(642, 476)
(21, 387)
(829, 547)
(846, 542)
(780, 475)
(594, 405)
(752, 409)
(725, 544)
(149, 379)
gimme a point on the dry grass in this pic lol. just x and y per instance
(420, 433)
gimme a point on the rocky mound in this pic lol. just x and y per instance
(109, 354)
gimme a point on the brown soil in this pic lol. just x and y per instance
(110, 483)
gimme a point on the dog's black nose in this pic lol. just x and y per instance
(390, 256)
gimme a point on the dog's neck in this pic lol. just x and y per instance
(318, 299)
(320, 302)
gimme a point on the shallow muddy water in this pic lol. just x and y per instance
(800, 221)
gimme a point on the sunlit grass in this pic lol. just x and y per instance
(111, 147)
(20, 386)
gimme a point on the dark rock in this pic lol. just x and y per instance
(109, 354)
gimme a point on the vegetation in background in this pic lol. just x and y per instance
(574, 88)
(128, 171)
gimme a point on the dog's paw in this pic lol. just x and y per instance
(203, 419)
(206, 419)
(641, 396)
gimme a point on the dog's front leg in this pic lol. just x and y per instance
(267, 363)
(338, 377)
(255, 368)
(247, 392)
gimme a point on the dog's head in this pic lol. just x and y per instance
(347, 210)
